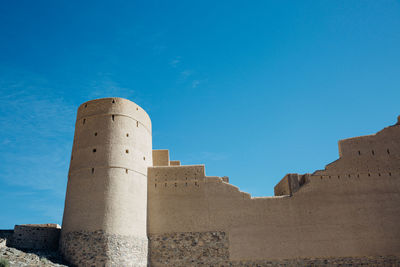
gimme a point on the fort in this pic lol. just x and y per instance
(129, 205)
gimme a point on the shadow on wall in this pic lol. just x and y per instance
(38, 239)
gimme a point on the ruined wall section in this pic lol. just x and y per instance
(105, 206)
(334, 219)
(36, 236)
(377, 154)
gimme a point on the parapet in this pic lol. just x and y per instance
(161, 157)
(174, 163)
(290, 184)
(174, 173)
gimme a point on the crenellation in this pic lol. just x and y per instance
(174, 163)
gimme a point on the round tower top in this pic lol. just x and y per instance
(114, 106)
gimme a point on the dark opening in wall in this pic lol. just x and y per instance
(373, 152)
(155, 185)
(379, 174)
(127, 151)
(349, 175)
(137, 124)
(369, 174)
(85, 105)
(113, 101)
(112, 117)
(127, 135)
(358, 176)
(185, 184)
(176, 185)
(359, 152)
(388, 151)
(94, 150)
(126, 171)
(92, 170)
(84, 120)
(390, 174)
(144, 158)
(137, 108)
(195, 183)
(165, 185)
(95, 134)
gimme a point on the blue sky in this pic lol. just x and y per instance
(251, 89)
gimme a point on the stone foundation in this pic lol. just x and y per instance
(101, 249)
(188, 249)
(377, 261)
(212, 249)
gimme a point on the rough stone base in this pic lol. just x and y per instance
(188, 249)
(101, 249)
(212, 249)
(387, 261)
(31, 258)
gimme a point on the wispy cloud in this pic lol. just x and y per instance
(186, 73)
(195, 83)
(36, 131)
(174, 63)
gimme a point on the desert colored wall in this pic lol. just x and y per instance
(36, 236)
(104, 218)
(347, 211)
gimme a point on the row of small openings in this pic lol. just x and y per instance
(127, 134)
(126, 151)
(165, 179)
(126, 171)
(113, 101)
(113, 119)
(373, 152)
(176, 184)
(349, 175)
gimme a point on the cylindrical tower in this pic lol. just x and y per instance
(104, 220)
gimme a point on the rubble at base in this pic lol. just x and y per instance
(42, 258)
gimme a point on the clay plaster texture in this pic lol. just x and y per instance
(350, 209)
(106, 191)
(123, 197)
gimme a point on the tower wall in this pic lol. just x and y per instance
(104, 218)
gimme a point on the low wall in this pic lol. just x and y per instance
(5, 237)
(39, 236)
